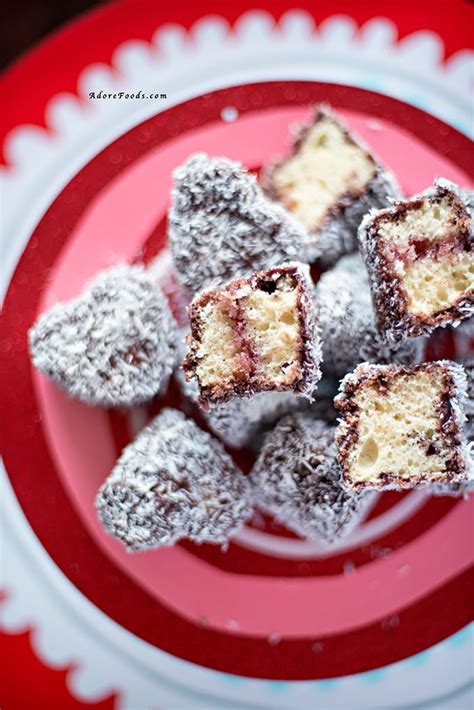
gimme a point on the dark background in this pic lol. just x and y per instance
(25, 22)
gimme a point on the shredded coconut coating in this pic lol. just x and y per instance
(173, 482)
(393, 321)
(463, 488)
(452, 426)
(346, 319)
(221, 225)
(238, 422)
(114, 345)
(297, 478)
(337, 235)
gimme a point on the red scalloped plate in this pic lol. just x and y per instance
(271, 605)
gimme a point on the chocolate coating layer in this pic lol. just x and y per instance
(463, 488)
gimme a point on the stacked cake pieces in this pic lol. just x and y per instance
(261, 336)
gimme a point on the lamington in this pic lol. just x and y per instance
(419, 254)
(346, 319)
(328, 182)
(254, 335)
(298, 479)
(402, 426)
(221, 225)
(114, 345)
(173, 482)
